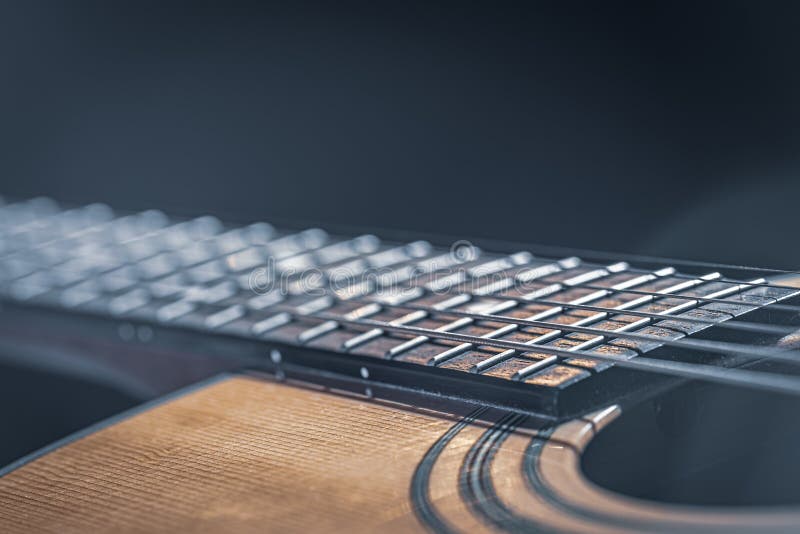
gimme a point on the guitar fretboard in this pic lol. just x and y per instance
(545, 323)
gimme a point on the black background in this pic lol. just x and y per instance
(661, 128)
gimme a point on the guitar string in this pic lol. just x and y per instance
(734, 324)
(721, 347)
(766, 381)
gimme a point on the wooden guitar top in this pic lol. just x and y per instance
(245, 454)
(242, 455)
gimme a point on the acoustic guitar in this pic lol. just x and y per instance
(353, 384)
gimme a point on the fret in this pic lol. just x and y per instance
(259, 233)
(119, 279)
(468, 360)
(345, 249)
(245, 259)
(702, 287)
(271, 323)
(436, 302)
(614, 350)
(18, 213)
(540, 271)
(395, 255)
(454, 325)
(421, 353)
(298, 308)
(348, 311)
(266, 300)
(401, 346)
(129, 301)
(169, 286)
(505, 280)
(688, 327)
(36, 233)
(555, 314)
(419, 340)
(499, 265)
(320, 263)
(224, 316)
(30, 286)
(292, 244)
(516, 367)
(397, 258)
(78, 294)
(67, 257)
(583, 341)
(232, 241)
(174, 310)
(392, 317)
(588, 274)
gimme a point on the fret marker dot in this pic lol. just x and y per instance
(275, 356)
(144, 333)
(364, 372)
(126, 331)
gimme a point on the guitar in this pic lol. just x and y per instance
(341, 383)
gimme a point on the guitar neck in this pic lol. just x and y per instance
(556, 335)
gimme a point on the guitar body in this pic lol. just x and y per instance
(248, 453)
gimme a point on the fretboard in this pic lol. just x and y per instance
(544, 325)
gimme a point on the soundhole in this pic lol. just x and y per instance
(704, 446)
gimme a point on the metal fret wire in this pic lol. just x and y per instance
(644, 258)
(731, 376)
(698, 371)
(640, 363)
(568, 305)
(606, 334)
(739, 377)
(732, 281)
(555, 310)
(729, 323)
(733, 323)
(721, 347)
(751, 351)
(674, 368)
(565, 305)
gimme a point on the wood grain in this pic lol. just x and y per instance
(242, 455)
(249, 455)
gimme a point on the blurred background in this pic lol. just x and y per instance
(667, 129)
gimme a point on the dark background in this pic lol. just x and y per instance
(662, 128)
